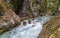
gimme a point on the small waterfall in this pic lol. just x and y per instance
(29, 28)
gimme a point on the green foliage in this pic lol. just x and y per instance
(33, 1)
(49, 5)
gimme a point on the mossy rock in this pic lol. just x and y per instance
(50, 29)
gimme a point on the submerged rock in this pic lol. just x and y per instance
(51, 28)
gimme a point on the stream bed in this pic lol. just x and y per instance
(29, 28)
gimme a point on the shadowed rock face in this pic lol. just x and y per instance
(33, 8)
(17, 5)
(51, 29)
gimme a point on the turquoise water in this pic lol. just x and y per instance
(27, 30)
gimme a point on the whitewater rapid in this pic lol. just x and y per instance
(29, 28)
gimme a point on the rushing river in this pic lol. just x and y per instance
(29, 28)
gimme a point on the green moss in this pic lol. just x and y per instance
(33, 1)
(1, 10)
(50, 5)
(8, 5)
(38, 7)
(1, 31)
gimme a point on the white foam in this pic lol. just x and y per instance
(29, 30)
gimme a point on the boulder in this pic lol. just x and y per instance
(51, 29)
(9, 20)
